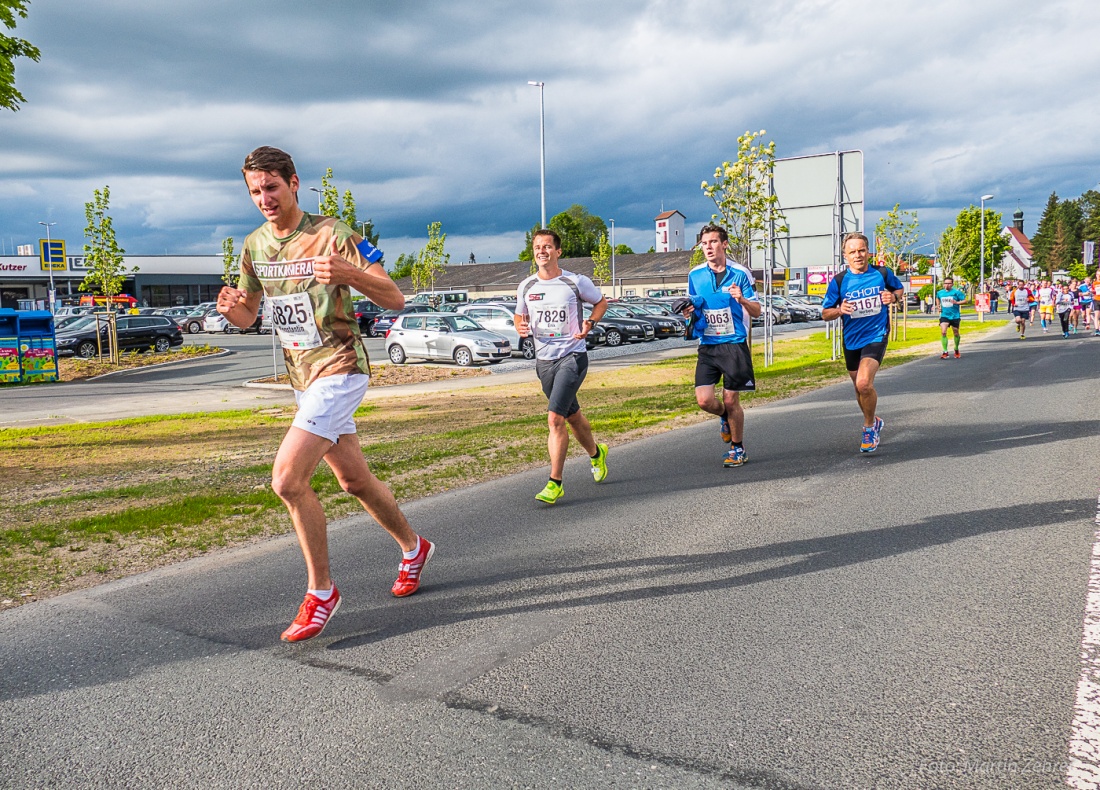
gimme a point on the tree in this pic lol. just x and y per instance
(331, 207)
(102, 255)
(432, 260)
(949, 250)
(330, 198)
(622, 249)
(231, 273)
(895, 233)
(403, 266)
(1043, 239)
(10, 49)
(697, 257)
(742, 193)
(526, 254)
(601, 261)
(968, 226)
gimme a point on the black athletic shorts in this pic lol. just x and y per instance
(950, 321)
(731, 361)
(853, 356)
(561, 379)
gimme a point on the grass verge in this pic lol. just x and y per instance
(82, 504)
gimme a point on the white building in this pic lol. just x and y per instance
(1017, 262)
(670, 232)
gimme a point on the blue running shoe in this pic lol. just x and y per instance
(735, 457)
(870, 440)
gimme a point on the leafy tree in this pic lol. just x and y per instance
(1090, 208)
(601, 261)
(1043, 239)
(697, 257)
(622, 249)
(231, 273)
(574, 237)
(432, 260)
(526, 254)
(10, 49)
(1062, 230)
(330, 198)
(968, 226)
(949, 250)
(742, 193)
(403, 266)
(895, 233)
(102, 255)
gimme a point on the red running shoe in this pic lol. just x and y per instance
(313, 616)
(958, 355)
(408, 580)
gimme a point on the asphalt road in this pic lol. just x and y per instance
(816, 618)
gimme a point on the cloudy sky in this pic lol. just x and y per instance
(422, 109)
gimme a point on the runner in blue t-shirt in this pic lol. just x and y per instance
(1086, 302)
(949, 298)
(724, 303)
(860, 297)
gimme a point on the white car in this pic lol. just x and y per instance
(500, 318)
(216, 322)
(444, 336)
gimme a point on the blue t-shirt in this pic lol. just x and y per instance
(720, 318)
(1086, 293)
(870, 322)
(949, 303)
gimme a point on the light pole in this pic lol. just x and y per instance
(49, 261)
(612, 259)
(542, 146)
(315, 189)
(981, 288)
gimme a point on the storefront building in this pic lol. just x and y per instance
(159, 281)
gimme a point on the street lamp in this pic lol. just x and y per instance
(315, 189)
(542, 145)
(612, 258)
(49, 260)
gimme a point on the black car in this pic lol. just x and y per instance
(664, 325)
(365, 313)
(135, 332)
(800, 313)
(619, 330)
(386, 318)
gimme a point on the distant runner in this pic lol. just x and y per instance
(860, 297)
(1018, 302)
(1045, 295)
(1063, 303)
(306, 265)
(550, 306)
(950, 298)
(723, 300)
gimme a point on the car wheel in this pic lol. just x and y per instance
(397, 354)
(463, 357)
(161, 345)
(371, 331)
(614, 337)
(194, 327)
(527, 348)
(87, 349)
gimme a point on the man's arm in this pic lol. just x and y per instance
(239, 307)
(373, 282)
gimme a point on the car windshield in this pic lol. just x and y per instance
(390, 313)
(76, 324)
(463, 323)
(619, 312)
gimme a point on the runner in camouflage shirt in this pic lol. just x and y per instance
(306, 266)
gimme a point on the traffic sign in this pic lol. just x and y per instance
(51, 254)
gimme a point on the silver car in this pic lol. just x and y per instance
(500, 318)
(444, 336)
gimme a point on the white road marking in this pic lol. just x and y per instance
(1084, 745)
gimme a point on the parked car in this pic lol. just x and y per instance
(814, 310)
(664, 326)
(386, 318)
(365, 313)
(780, 315)
(135, 332)
(500, 318)
(798, 312)
(174, 312)
(621, 330)
(192, 322)
(216, 322)
(433, 335)
(70, 312)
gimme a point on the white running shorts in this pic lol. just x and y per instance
(327, 407)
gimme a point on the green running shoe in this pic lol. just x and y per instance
(551, 494)
(599, 463)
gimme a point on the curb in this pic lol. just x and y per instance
(223, 353)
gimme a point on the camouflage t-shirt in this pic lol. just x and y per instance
(315, 322)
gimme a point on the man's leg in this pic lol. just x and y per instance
(958, 337)
(864, 381)
(943, 338)
(295, 462)
(558, 443)
(708, 401)
(350, 467)
(731, 399)
(583, 431)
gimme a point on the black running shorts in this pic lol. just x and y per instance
(950, 321)
(729, 361)
(561, 379)
(853, 356)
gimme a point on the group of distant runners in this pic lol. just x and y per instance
(306, 266)
(1074, 303)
